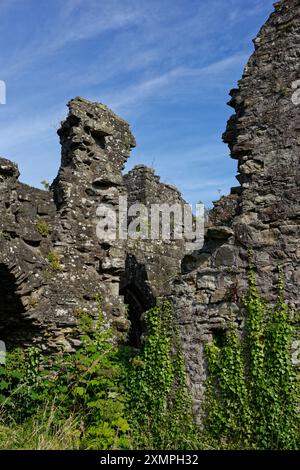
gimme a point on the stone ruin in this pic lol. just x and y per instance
(53, 267)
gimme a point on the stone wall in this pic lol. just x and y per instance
(151, 265)
(262, 214)
(53, 266)
(50, 255)
(161, 258)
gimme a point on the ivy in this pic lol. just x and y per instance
(252, 399)
(159, 405)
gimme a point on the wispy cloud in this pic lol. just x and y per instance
(143, 90)
(91, 22)
(69, 27)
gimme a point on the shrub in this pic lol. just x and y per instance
(47, 391)
(46, 185)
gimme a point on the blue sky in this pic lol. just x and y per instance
(164, 65)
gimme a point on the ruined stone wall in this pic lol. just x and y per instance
(261, 215)
(161, 258)
(52, 265)
(23, 252)
(151, 264)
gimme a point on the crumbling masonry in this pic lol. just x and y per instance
(53, 267)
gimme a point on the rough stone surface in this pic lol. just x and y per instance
(53, 267)
(262, 214)
(44, 298)
(161, 258)
(151, 265)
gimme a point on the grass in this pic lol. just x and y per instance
(41, 432)
(43, 228)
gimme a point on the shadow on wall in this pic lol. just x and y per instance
(138, 297)
(14, 328)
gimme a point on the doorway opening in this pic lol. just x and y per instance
(14, 329)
